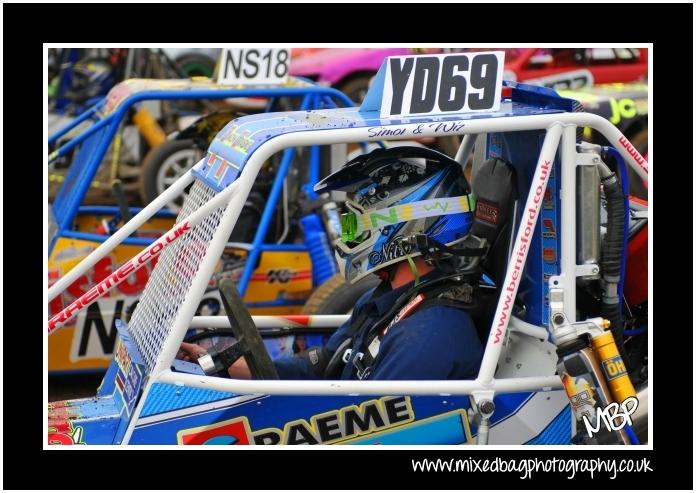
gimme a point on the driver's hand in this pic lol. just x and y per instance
(190, 352)
(239, 369)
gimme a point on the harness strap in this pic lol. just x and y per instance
(336, 361)
(363, 361)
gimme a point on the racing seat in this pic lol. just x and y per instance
(495, 188)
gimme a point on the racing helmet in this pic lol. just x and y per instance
(391, 195)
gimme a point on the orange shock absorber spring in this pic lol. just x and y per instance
(613, 367)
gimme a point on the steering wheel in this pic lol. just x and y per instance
(247, 334)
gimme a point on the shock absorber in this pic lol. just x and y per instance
(613, 367)
(590, 367)
(594, 377)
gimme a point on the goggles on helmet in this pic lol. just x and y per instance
(357, 225)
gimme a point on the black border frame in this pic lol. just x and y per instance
(27, 26)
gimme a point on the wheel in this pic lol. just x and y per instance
(196, 65)
(635, 182)
(163, 165)
(356, 87)
(337, 296)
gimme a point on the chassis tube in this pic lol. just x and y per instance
(568, 221)
(465, 149)
(359, 387)
(85, 115)
(273, 321)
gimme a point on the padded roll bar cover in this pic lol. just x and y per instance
(495, 188)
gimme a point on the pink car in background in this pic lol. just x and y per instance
(347, 69)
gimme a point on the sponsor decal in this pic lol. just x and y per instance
(391, 250)
(233, 432)
(217, 170)
(279, 275)
(129, 377)
(231, 137)
(116, 278)
(330, 427)
(573, 79)
(487, 211)
(548, 198)
(549, 228)
(626, 144)
(63, 432)
(614, 367)
(132, 285)
(581, 395)
(622, 108)
(95, 329)
(520, 254)
(549, 255)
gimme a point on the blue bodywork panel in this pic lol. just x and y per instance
(104, 418)
(182, 415)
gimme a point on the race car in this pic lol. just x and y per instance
(571, 68)
(549, 359)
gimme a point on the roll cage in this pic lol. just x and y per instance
(161, 320)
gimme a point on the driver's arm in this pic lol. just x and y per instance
(292, 368)
(239, 369)
(288, 369)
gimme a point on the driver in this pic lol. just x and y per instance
(410, 212)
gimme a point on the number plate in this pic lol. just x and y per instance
(436, 84)
(252, 66)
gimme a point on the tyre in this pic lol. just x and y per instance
(165, 164)
(196, 65)
(337, 296)
(635, 182)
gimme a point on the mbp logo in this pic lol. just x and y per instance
(615, 416)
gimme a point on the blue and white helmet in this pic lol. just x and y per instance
(391, 195)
